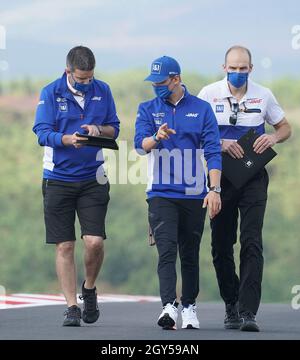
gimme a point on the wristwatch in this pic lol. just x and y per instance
(155, 138)
(216, 189)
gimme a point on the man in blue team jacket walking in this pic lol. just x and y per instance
(178, 131)
(73, 177)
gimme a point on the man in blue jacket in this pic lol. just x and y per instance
(73, 179)
(178, 131)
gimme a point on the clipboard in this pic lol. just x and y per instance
(240, 171)
(98, 141)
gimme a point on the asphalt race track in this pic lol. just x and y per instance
(137, 321)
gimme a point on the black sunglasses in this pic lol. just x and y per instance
(235, 109)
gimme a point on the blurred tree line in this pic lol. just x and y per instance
(27, 264)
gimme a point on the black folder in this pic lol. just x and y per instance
(240, 171)
(98, 141)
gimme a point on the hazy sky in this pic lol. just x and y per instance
(36, 35)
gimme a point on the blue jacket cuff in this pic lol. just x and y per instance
(215, 164)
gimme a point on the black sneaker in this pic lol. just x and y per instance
(72, 316)
(232, 318)
(248, 322)
(90, 306)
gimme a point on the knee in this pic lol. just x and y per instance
(65, 249)
(221, 253)
(168, 256)
(94, 243)
(251, 248)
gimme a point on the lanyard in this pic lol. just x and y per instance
(234, 107)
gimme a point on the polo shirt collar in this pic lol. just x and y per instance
(225, 91)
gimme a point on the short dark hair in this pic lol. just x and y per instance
(239, 47)
(81, 58)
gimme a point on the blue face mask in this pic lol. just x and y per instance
(237, 79)
(162, 91)
(84, 88)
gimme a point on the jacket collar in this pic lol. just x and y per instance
(185, 95)
(63, 90)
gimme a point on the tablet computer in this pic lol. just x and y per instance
(98, 141)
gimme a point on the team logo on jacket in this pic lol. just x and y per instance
(158, 118)
(63, 107)
(219, 108)
(59, 99)
(158, 115)
(194, 115)
(62, 104)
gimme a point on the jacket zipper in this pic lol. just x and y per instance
(76, 103)
(173, 125)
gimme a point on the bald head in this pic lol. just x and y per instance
(238, 51)
(238, 59)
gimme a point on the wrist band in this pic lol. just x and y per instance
(154, 137)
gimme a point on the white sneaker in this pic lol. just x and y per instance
(189, 317)
(168, 318)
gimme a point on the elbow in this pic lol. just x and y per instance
(283, 131)
(138, 145)
(214, 161)
(141, 151)
(215, 165)
(41, 141)
(116, 132)
(41, 136)
(286, 133)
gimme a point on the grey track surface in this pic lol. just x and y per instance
(137, 321)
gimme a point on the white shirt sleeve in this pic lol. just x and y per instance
(274, 113)
(203, 94)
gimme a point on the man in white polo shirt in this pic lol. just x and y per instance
(240, 104)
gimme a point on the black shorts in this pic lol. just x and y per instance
(62, 200)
